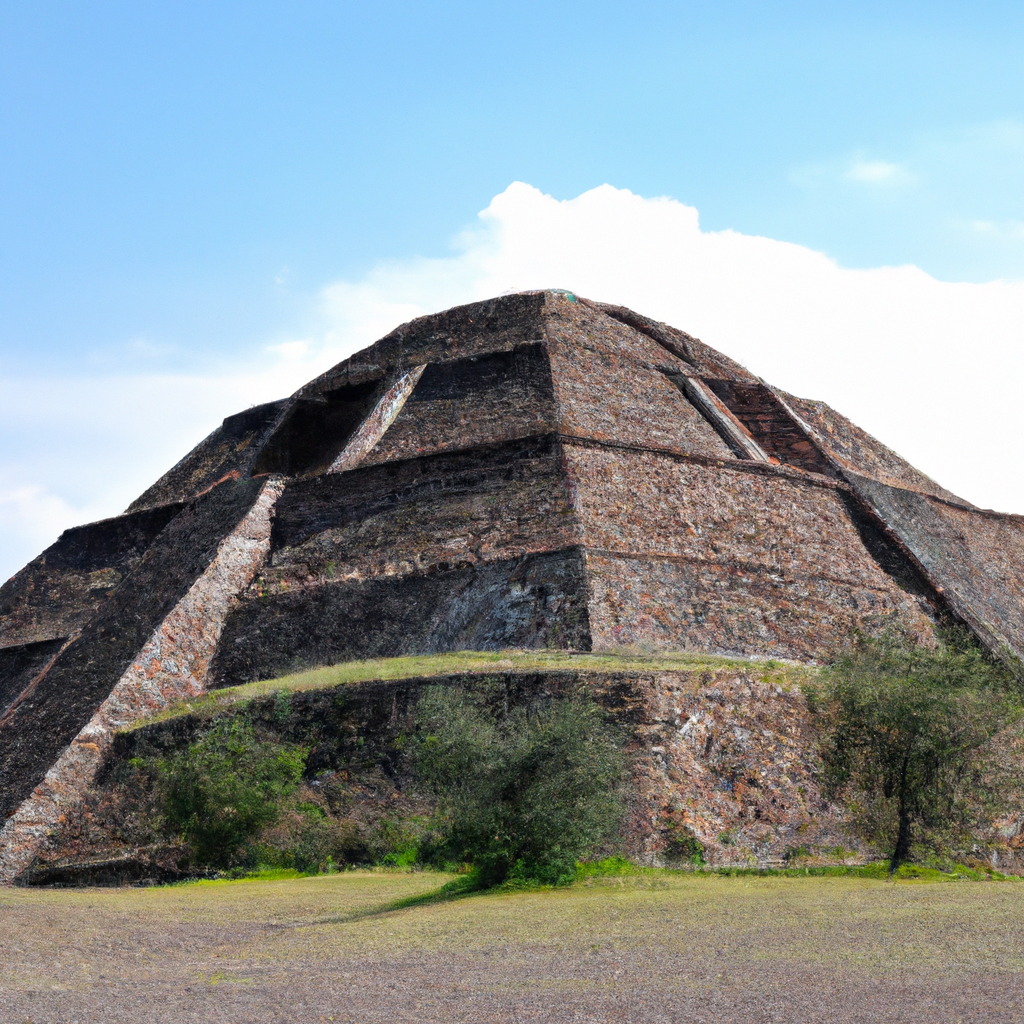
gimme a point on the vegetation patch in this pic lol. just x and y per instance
(523, 794)
(505, 786)
(225, 788)
(923, 744)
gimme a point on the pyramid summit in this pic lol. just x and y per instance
(533, 471)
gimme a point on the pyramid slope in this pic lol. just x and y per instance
(536, 470)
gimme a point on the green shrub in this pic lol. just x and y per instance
(682, 846)
(908, 741)
(320, 843)
(224, 788)
(523, 794)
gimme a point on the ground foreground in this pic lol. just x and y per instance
(658, 948)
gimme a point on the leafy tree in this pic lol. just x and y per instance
(523, 794)
(224, 788)
(908, 739)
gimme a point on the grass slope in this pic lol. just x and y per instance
(480, 662)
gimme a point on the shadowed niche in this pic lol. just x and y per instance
(316, 429)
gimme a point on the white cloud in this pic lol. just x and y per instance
(878, 172)
(292, 351)
(31, 517)
(1008, 229)
(930, 368)
(858, 170)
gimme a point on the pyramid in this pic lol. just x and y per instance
(534, 471)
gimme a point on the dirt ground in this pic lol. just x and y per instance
(664, 948)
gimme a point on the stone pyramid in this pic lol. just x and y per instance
(537, 470)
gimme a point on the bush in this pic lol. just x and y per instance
(908, 741)
(523, 794)
(224, 788)
(682, 846)
(305, 837)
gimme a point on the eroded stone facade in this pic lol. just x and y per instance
(536, 470)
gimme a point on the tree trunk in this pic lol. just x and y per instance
(902, 851)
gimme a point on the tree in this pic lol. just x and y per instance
(224, 788)
(908, 739)
(522, 794)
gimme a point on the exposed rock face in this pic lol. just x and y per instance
(533, 471)
(720, 756)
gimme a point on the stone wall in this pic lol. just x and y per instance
(435, 513)
(771, 425)
(227, 454)
(607, 396)
(534, 601)
(465, 403)
(58, 592)
(480, 328)
(728, 557)
(723, 756)
(976, 557)
(58, 703)
(20, 664)
(700, 357)
(172, 664)
(855, 450)
(475, 549)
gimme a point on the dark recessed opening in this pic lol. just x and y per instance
(316, 429)
(757, 408)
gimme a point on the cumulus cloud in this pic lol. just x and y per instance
(878, 172)
(931, 368)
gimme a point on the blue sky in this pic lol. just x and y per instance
(180, 182)
(166, 163)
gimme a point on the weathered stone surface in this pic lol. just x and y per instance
(692, 351)
(670, 604)
(429, 514)
(50, 712)
(462, 403)
(856, 451)
(20, 664)
(171, 665)
(606, 396)
(227, 454)
(727, 559)
(378, 422)
(976, 557)
(497, 325)
(58, 592)
(533, 601)
(722, 757)
(769, 421)
(533, 470)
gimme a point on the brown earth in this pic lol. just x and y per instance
(663, 948)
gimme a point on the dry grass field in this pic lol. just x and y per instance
(662, 947)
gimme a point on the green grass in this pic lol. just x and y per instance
(615, 867)
(618, 867)
(259, 875)
(809, 918)
(479, 663)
